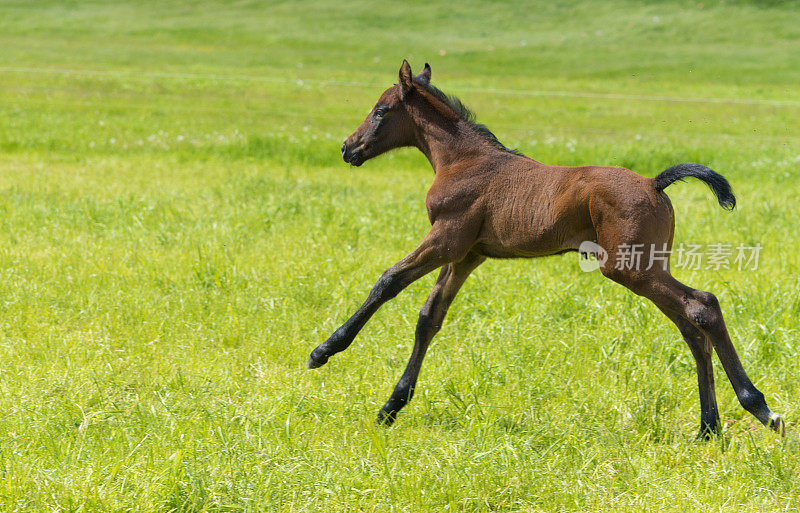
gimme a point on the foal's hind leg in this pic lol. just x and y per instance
(702, 351)
(701, 309)
(450, 280)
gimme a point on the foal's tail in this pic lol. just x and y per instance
(719, 185)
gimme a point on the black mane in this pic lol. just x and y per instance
(467, 115)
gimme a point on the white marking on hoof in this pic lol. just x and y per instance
(777, 424)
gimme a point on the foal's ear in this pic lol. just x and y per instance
(425, 75)
(405, 77)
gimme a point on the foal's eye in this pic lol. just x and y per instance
(380, 113)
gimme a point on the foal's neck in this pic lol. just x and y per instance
(448, 141)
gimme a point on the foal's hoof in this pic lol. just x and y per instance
(707, 432)
(315, 363)
(385, 418)
(777, 424)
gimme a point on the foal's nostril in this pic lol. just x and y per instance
(344, 148)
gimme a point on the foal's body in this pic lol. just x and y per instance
(489, 201)
(528, 209)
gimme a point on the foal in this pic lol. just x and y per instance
(488, 201)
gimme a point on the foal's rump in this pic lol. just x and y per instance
(634, 219)
(631, 219)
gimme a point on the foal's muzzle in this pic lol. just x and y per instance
(352, 157)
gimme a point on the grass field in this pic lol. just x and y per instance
(178, 232)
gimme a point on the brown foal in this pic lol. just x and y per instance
(487, 201)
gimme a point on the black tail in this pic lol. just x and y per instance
(719, 185)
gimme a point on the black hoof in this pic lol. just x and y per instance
(315, 363)
(708, 431)
(386, 418)
(706, 434)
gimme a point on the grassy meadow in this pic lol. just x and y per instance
(178, 232)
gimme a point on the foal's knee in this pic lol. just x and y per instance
(704, 310)
(387, 286)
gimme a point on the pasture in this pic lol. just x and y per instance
(178, 232)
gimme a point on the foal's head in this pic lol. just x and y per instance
(388, 124)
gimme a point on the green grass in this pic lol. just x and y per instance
(177, 232)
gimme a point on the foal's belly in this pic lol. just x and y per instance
(532, 249)
(534, 235)
(495, 252)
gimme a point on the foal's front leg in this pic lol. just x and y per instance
(430, 321)
(433, 252)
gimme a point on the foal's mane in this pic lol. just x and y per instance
(463, 112)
